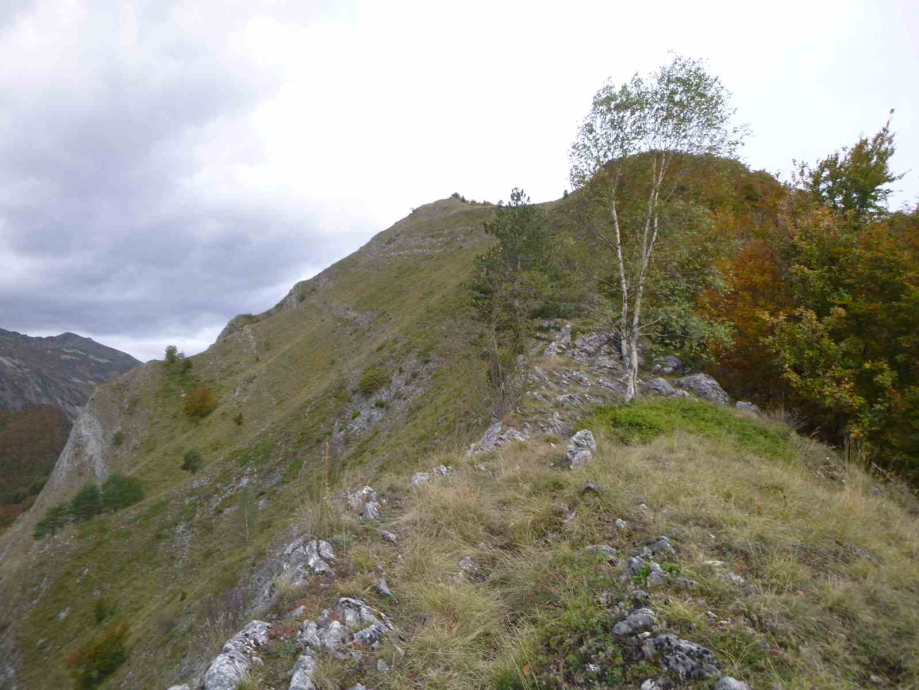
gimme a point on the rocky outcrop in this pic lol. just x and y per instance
(580, 449)
(668, 365)
(237, 657)
(705, 387)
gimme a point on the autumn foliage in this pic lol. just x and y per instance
(200, 403)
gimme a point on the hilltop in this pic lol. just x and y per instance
(358, 517)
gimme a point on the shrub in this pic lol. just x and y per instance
(103, 609)
(200, 403)
(186, 364)
(119, 492)
(192, 461)
(56, 517)
(98, 659)
(372, 380)
(87, 503)
(172, 354)
(238, 419)
(118, 438)
(380, 403)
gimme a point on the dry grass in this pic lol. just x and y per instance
(832, 596)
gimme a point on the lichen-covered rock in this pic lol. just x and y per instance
(606, 549)
(733, 579)
(661, 387)
(668, 365)
(302, 678)
(420, 478)
(745, 406)
(580, 447)
(728, 683)
(234, 662)
(371, 512)
(705, 387)
(635, 622)
(662, 545)
(305, 557)
(357, 499)
(687, 660)
(495, 437)
(388, 536)
(656, 577)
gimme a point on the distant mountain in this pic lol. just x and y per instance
(61, 370)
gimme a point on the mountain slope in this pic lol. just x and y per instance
(365, 375)
(60, 370)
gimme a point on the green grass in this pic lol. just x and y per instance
(646, 420)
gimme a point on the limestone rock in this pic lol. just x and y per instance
(388, 536)
(580, 447)
(371, 511)
(234, 662)
(687, 660)
(705, 387)
(744, 406)
(302, 678)
(728, 683)
(420, 478)
(661, 387)
(669, 365)
(602, 548)
(639, 620)
(357, 499)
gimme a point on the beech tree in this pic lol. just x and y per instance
(648, 131)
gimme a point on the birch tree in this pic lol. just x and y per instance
(633, 149)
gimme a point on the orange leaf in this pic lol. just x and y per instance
(526, 670)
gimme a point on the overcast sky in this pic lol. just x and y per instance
(165, 166)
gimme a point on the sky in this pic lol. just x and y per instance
(165, 165)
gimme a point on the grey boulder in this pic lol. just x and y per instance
(580, 447)
(661, 387)
(635, 622)
(234, 662)
(302, 678)
(668, 364)
(687, 660)
(728, 683)
(705, 387)
(745, 406)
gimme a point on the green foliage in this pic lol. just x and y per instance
(372, 379)
(238, 418)
(200, 403)
(172, 354)
(632, 154)
(103, 609)
(95, 661)
(192, 461)
(511, 280)
(854, 180)
(120, 492)
(380, 403)
(87, 503)
(643, 422)
(118, 438)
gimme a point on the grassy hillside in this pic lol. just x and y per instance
(364, 375)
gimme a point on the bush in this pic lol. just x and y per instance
(200, 403)
(118, 438)
(238, 419)
(172, 354)
(372, 380)
(103, 609)
(100, 658)
(192, 461)
(119, 492)
(87, 503)
(186, 364)
(380, 403)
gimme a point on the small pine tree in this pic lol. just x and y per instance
(192, 461)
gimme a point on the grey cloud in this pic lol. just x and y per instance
(93, 171)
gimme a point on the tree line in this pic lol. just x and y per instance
(801, 295)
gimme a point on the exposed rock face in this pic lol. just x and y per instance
(728, 683)
(61, 370)
(705, 387)
(234, 662)
(495, 437)
(580, 448)
(420, 478)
